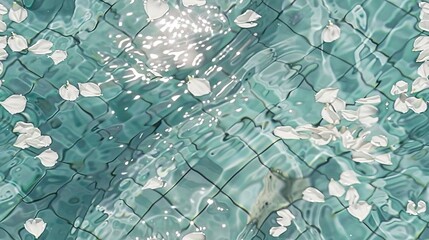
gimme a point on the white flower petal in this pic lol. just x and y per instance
(424, 55)
(42, 46)
(411, 208)
(335, 188)
(362, 157)
(312, 194)
(418, 105)
(348, 178)
(277, 231)
(374, 100)
(156, 8)
(367, 110)
(338, 105)
(331, 33)
(352, 196)
(400, 105)
(3, 26)
(189, 3)
(58, 56)
(48, 158)
(3, 55)
(399, 87)
(423, 70)
(3, 42)
(285, 218)
(350, 115)
(22, 127)
(35, 226)
(421, 43)
(194, 236)
(424, 7)
(14, 104)
(247, 19)
(3, 9)
(17, 43)
(198, 86)
(384, 159)
(379, 141)
(17, 13)
(420, 84)
(421, 207)
(360, 210)
(39, 142)
(69, 92)
(329, 115)
(286, 132)
(89, 89)
(327, 95)
(154, 183)
(347, 139)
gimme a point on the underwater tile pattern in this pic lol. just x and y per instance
(225, 172)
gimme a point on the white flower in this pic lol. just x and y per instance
(17, 43)
(352, 195)
(335, 189)
(198, 86)
(58, 56)
(286, 132)
(156, 8)
(277, 231)
(348, 178)
(154, 183)
(189, 3)
(17, 13)
(89, 89)
(412, 210)
(327, 95)
(399, 87)
(194, 236)
(14, 104)
(42, 46)
(420, 84)
(247, 19)
(312, 194)
(35, 226)
(359, 210)
(69, 92)
(48, 158)
(331, 32)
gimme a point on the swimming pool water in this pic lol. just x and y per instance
(222, 170)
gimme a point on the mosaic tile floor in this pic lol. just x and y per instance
(147, 159)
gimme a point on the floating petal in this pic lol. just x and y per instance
(421, 207)
(199, 86)
(48, 158)
(277, 231)
(194, 236)
(42, 46)
(69, 92)
(399, 87)
(335, 188)
(17, 43)
(3, 26)
(14, 104)
(423, 70)
(89, 89)
(420, 84)
(362, 157)
(17, 13)
(400, 105)
(350, 115)
(352, 195)
(384, 159)
(418, 105)
(35, 226)
(3, 9)
(58, 56)
(424, 55)
(374, 100)
(411, 208)
(39, 142)
(247, 19)
(421, 43)
(379, 141)
(156, 8)
(286, 217)
(3, 42)
(329, 115)
(154, 183)
(327, 95)
(331, 33)
(312, 194)
(286, 132)
(189, 3)
(22, 127)
(3, 54)
(348, 178)
(360, 210)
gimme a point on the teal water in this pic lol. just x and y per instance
(226, 174)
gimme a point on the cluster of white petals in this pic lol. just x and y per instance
(412, 209)
(404, 103)
(362, 144)
(30, 136)
(284, 220)
(69, 92)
